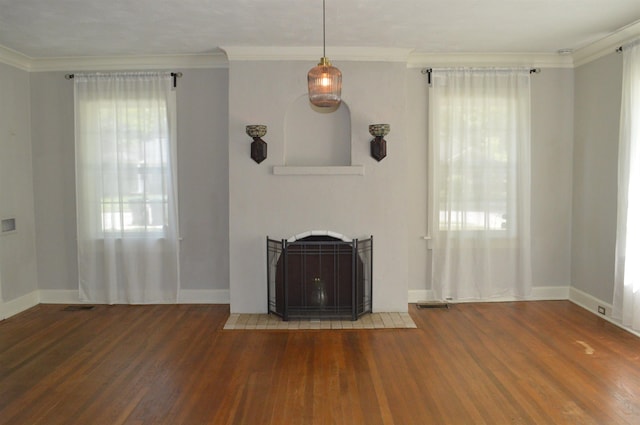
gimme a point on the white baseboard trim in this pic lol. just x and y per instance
(185, 296)
(549, 293)
(538, 293)
(221, 296)
(70, 296)
(591, 303)
(416, 295)
(18, 305)
(204, 296)
(60, 296)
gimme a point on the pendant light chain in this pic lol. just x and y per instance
(324, 80)
(324, 32)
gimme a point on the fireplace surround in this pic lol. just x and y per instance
(319, 275)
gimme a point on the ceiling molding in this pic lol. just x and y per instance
(272, 53)
(534, 60)
(413, 59)
(15, 59)
(606, 45)
(114, 63)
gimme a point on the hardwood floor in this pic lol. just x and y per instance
(499, 363)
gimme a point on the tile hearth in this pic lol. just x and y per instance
(238, 321)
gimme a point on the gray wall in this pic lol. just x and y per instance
(551, 177)
(18, 274)
(419, 261)
(202, 176)
(54, 180)
(574, 182)
(595, 165)
(391, 199)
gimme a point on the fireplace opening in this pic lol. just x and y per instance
(319, 276)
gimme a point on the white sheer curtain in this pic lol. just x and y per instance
(480, 183)
(126, 188)
(626, 299)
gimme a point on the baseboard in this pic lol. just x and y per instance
(59, 296)
(185, 296)
(591, 303)
(18, 305)
(70, 296)
(204, 296)
(538, 293)
(549, 293)
(416, 295)
(221, 296)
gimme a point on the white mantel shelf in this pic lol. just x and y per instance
(332, 170)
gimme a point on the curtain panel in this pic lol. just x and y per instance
(479, 121)
(126, 200)
(626, 299)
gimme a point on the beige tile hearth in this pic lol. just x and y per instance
(271, 322)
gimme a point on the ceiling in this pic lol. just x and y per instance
(82, 28)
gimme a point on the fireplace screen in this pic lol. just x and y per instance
(319, 277)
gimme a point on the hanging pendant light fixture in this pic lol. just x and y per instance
(324, 80)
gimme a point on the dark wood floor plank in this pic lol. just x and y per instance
(486, 363)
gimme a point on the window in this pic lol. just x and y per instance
(134, 140)
(124, 152)
(476, 173)
(479, 123)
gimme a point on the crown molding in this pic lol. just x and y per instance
(114, 63)
(606, 45)
(15, 59)
(242, 53)
(301, 53)
(413, 59)
(534, 60)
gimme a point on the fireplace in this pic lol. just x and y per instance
(319, 275)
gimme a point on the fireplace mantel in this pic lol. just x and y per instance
(331, 170)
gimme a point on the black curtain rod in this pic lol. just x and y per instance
(174, 75)
(428, 72)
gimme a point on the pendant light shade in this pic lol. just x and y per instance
(325, 84)
(324, 80)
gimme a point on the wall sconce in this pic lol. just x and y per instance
(258, 146)
(378, 144)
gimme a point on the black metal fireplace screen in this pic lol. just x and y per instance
(319, 277)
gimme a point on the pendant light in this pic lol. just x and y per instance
(324, 80)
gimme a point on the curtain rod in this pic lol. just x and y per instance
(428, 72)
(174, 75)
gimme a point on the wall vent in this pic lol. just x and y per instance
(78, 307)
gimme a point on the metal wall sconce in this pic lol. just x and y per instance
(378, 144)
(258, 146)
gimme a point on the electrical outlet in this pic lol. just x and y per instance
(602, 310)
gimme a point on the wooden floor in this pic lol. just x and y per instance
(501, 363)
